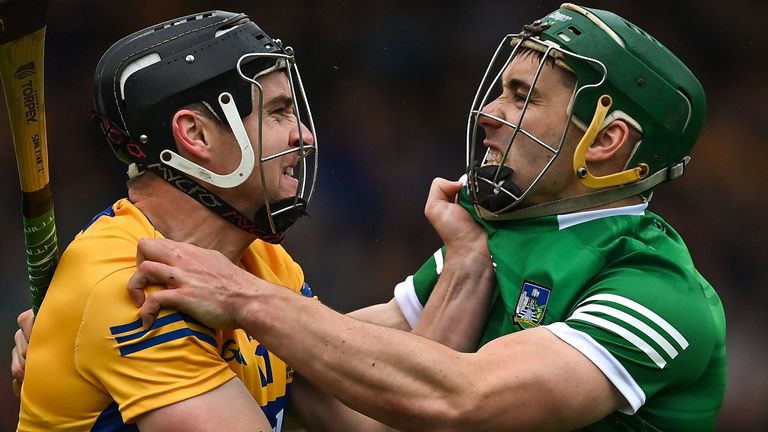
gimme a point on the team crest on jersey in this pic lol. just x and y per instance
(531, 305)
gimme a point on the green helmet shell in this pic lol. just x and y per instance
(645, 80)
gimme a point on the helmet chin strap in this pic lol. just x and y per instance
(247, 159)
(284, 213)
(260, 226)
(495, 195)
(590, 200)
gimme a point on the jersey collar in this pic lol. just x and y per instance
(571, 219)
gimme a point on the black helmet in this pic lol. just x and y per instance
(210, 58)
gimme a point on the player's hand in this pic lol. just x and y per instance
(452, 222)
(200, 282)
(21, 338)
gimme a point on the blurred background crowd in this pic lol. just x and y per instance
(390, 84)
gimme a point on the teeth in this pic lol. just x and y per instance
(493, 157)
(288, 171)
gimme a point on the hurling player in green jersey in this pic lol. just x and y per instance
(598, 318)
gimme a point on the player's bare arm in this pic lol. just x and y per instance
(453, 316)
(437, 388)
(457, 308)
(229, 407)
(555, 386)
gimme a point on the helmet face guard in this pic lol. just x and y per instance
(620, 73)
(214, 58)
(286, 210)
(489, 175)
(283, 212)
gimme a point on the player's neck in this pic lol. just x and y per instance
(179, 217)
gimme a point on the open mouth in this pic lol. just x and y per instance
(493, 157)
(289, 180)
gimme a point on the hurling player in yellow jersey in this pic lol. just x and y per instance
(210, 115)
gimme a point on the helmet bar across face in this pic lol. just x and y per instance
(520, 44)
(306, 173)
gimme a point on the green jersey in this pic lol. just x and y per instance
(619, 286)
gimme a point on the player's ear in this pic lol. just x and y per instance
(190, 133)
(609, 141)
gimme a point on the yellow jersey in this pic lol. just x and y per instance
(91, 366)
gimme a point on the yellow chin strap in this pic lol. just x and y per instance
(579, 157)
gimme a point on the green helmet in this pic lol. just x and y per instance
(621, 72)
(645, 80)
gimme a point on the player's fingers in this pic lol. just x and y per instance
(149, 272)
(160, 250)
(17, 365)
(440, 192)
(148, 314)
(18, 356)
(25, 321)
(444, 190)
(20, 339)
(152, 305)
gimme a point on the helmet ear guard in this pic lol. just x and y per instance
(239, 174)
(580, 168)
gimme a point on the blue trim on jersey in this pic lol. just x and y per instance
(162, 338)
(125, 327)
(306, 291)
(167, 337)
(110, 421)
(170, 318)
(267, 378)
(109, 211)
(273, 408)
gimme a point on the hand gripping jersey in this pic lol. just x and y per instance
(92, 367)
(619, 286)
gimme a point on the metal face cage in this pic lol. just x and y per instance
(306, 169)
(492, 184)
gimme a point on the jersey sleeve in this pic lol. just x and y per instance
(412, 293)
(646, 332)
(178, 358)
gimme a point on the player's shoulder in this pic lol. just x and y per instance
(676, 306)
(274, 254)
(121, 223)
(106, 244)
(274, 264)
(648, 274)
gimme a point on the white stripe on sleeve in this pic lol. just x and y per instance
(626, 334)
(438, 261)
(605, 361)
(410, 306)
(637, 307)
(634, 322)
